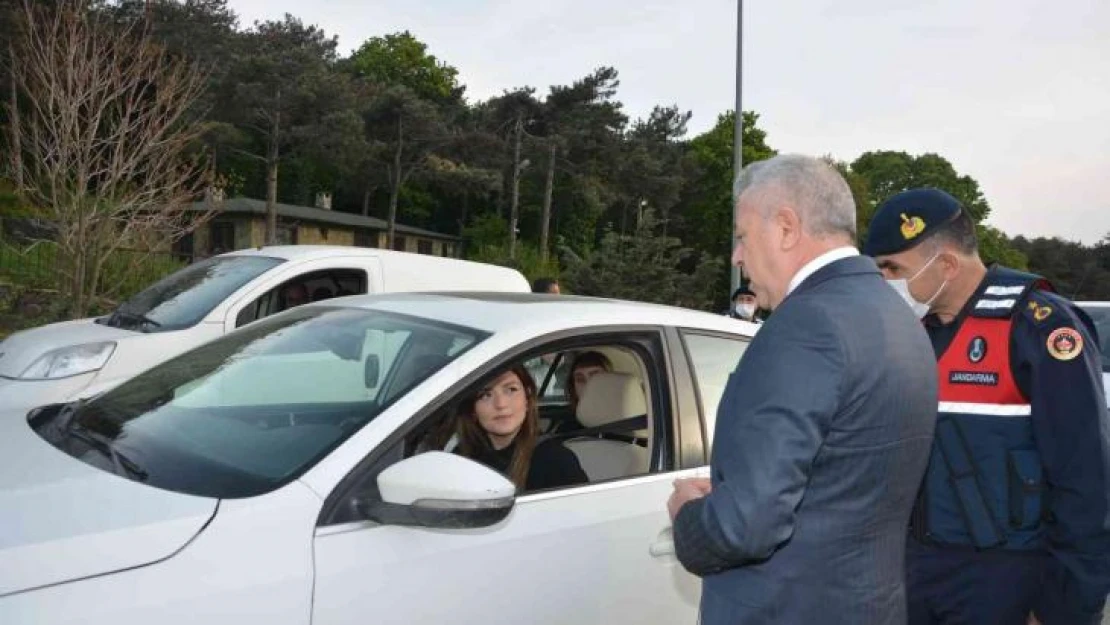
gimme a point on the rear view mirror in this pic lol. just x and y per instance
(440, 490)
(371, 371)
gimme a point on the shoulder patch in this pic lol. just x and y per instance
(1040, 312)
(1065, 344)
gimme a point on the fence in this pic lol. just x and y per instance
(125, 273)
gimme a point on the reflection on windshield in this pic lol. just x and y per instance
(182, 299)
(246, 413)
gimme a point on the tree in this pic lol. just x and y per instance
(889, 172)
(514, 116)
(705, 209)
(651, 171)
(405, 131)
(106, 140)
(281, 88)
(401, 60)
(645, 266)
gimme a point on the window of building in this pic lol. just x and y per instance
(221, 237)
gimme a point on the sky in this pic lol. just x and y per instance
(1015, 93)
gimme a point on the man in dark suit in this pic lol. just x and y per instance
(824, 429)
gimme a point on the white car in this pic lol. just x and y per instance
(282, 474)
(65, 361)
(1100, 314)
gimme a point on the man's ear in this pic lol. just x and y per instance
(950, 264)
(789, 224)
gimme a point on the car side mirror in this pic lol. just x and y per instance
(371, 371)
(440, 490)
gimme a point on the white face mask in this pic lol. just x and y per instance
(902, 287)
(745, 310)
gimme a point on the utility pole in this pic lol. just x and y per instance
(738, 138)
(514, 211)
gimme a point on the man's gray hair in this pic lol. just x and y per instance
(809, 185)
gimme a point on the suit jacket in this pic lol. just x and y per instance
(821, 441)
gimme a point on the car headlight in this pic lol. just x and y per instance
(69, 361)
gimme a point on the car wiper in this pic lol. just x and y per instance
(122, 464)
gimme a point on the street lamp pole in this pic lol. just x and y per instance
(738, 134)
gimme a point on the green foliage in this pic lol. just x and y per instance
(995, 247)
(645, 266)
(399, 59)
(486, 231)
(889, 172)
(527, 261)
(125, 273)
(703, 217)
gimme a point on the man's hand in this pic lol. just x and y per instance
(686, 490)
(1033, 620)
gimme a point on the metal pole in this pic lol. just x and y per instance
(738, 133)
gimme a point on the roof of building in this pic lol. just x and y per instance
(250, 206)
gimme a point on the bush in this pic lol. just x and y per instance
(527, 260)
(34, 266)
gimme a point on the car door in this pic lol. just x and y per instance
(582, 555)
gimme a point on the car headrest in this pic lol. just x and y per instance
(611, 397)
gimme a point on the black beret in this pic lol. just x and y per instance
(907, 219)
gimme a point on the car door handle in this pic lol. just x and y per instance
(663, 546)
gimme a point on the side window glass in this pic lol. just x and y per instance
(714, 359)
(549, 373)
(312, 287)
(614, 441)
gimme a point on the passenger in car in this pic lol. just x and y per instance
(499, 426)
(582, 368)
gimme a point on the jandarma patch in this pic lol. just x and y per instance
(1065, 344)
(977, 378)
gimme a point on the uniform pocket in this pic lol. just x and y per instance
(1026, 487)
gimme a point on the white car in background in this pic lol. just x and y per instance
(282, 475)
(65, 361)
(1100, 313)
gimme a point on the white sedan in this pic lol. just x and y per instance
(282, 474)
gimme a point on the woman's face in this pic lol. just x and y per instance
(581, 376)
(501, 409)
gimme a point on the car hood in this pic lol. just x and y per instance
(65, 520)
(22, 349)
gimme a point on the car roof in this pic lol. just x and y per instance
(538, 313)
(305, 252)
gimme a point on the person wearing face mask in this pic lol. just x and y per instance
(744, 305)
(1010, 524)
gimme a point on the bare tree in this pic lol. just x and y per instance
(107, 141)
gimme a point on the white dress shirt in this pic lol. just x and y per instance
(821, 261)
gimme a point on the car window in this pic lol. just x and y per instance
(549, 372)
(254, 409)
(312, 287)
(714, 358)
(1101, 317)
(184, 298)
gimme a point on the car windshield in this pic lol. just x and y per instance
(183, 298)
(1101, 317)
(250, 411)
